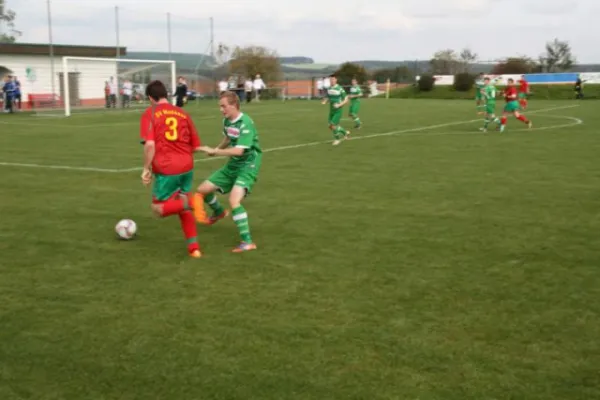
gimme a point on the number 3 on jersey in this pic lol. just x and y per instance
(171, 134)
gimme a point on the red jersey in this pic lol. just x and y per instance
(175, 138)
(523, 86)
(510, 94)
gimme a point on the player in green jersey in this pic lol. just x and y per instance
(479, 99)
(489, 96)
(355, 95)
(238, 175)
(337, 98)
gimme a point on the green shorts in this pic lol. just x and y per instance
(229, 176)
(490, 108)
(166, 186)
(522, 95)
(478, 94)
(512, 106)
(335, 116)
(354, 108)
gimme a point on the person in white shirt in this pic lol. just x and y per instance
(113, 90)
(127, 93)
(248, 86)
(222, 86)
(258, 86)
(320, 87)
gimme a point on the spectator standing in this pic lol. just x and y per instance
(181, 92)
(8, 92)
(113, 89)
(17, 93)
(222, 86)
(127, 93)
(258, 86)
(320, 87)
(248, 86)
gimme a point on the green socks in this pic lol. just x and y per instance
(339, 132)
(240, 217)
(213, 203)
(357, 122)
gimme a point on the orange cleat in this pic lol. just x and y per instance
(244, 247)
(196, 254)
(198, 207)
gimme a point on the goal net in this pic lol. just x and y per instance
(88, 84)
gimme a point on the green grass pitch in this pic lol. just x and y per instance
(421, 260)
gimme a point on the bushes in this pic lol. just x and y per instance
(426, 83)
(463, 82)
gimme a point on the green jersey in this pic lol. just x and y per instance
(355, 91)
(242, 134)
(336, 94)
(489, 92)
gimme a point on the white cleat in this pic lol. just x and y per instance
(336, 142)
(530, 125)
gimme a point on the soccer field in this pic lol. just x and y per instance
(421, 260)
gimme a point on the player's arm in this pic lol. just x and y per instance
(147, 139)
(325, 100)
(345, 99)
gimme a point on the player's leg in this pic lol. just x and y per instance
(354, 108)
(241, 188)
(522, 118)
(504, 118)
(220, 181)
(339, 133)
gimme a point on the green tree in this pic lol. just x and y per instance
(7, 18)
(347, 71)
(251, 60)
(558, 56)
(426, 83)
(514, 65)
(396, 75)
(445, 62)
(467, 58)
(463, 82)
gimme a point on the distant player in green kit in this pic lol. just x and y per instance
(337, 98)
(355, 95)
(237, 176)
(489, 96)
(479, 99)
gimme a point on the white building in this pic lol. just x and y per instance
(32, 65)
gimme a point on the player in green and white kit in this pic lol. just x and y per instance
(489, 96)
(479, 99)
(355, 95)
(337, 98)
(238, 175)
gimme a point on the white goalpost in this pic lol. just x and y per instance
(110, 83)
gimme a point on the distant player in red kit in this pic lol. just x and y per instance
(523, 92)
(170, 140)
(512, 105)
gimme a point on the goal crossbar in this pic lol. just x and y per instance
(65, 70)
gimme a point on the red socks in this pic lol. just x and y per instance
(523, 119)
(503, 120)
(188, 225)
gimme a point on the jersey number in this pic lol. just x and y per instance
(171, 134)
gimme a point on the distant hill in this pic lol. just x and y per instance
(296, 60)
(185, 61)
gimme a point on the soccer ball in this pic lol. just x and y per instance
(126, 229)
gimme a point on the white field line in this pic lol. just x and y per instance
(405, 132)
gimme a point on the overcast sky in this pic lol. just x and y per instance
(326, 30)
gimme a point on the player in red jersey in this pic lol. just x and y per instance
(170, 140)
(512, 105)
(523, 92)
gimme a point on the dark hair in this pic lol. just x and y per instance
(332, 76)
(511, 80)
(156, 90)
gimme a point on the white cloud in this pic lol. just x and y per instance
(327, 30)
